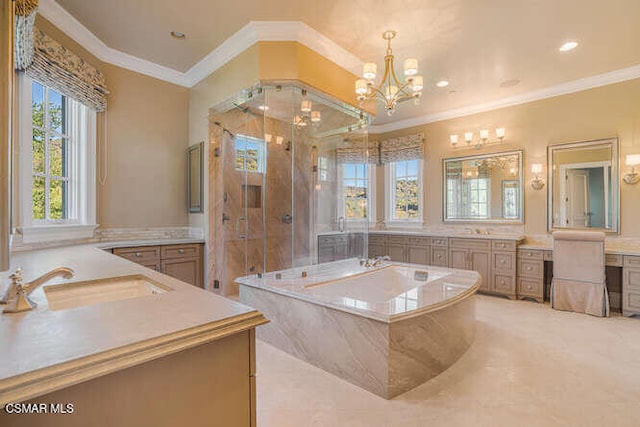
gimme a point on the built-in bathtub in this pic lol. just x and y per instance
(386, 329)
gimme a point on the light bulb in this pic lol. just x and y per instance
(305, 106)
(500, 132)
(267, 137)
(410, 67)
(536, 168)
(416, 84)
(468, 136)
(369, 70)
(361, 86)
(315, 116)
(391, 91)
(453, 139)
(484, 134)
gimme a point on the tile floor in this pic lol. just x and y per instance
(529, 366)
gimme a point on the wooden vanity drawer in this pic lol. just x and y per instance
(397, 239)
(376, 239)
(504, 262)
(504, 284)
(632, 261)
(503, 245)
(613, 260)
(439, 256)
(419, 241)
(530, 254)
(473, 244)
(530, 287)
(179, 251)
(530, 268)
(140, 255)
(440, 241)
(332, 240)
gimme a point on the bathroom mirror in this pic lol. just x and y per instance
(483, 188)
(194, 184)
(584, 186)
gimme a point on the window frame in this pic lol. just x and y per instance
(370, 173)
(389, 210)
(260, 158)
(81, 165)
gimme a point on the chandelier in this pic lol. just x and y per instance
(390, 90)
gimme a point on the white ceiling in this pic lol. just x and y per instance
(475, 44)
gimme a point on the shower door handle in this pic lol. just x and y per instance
(341, 222)
(241, 231)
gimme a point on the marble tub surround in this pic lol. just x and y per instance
(378, 329)
(44, 350)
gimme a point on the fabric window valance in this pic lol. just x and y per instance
(358, 151)
(409, 147)
(59, 68)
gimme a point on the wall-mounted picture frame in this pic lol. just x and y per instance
(194, 178)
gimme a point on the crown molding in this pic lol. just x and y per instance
(257, 31)
(573, 86)
(69, 25)
(253, 32)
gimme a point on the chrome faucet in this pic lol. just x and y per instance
(374, 262)
(16, 298)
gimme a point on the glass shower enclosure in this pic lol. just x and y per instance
(288, 166)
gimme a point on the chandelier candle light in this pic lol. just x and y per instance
(390, 90)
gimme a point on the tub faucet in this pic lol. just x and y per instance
(374, 262)
(16, 298)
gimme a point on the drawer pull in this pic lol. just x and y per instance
(502, 282)
(529, 254)
(529, 287)
(502, 261)
(439, 256)
(529, 268)
(180, 251)
(138, 254)
(502, 245)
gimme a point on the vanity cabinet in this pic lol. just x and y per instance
(631, 286)
(472, 254)
(183, 262)
(401, 248)
(531, 274)
(334, 247)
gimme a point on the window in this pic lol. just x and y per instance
(404, 183)
(50, 140)
(510, 199)
(478, 189)
(250, 154)
(354, 181)
(57, 137)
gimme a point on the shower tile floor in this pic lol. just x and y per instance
(529, 366)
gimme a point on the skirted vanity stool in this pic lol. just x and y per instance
(579, 282)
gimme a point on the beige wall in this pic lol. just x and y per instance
(147, 131)
(593, 114)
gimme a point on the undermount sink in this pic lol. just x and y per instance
(65, 296)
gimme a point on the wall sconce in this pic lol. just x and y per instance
(484, 138)
(632, 177)
(537, 183)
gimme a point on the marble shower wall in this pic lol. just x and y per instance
(238, 243)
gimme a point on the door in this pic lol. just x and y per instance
(185, 269)
(396, 251)
(577, 198)
(481, 262)
(459, 258)
(418, 255)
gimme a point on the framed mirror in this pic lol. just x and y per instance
(483, 188)
(194, 178)
(584, 186)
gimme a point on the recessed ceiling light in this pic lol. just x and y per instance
(178, 35)
(263, 107)
(568, 46)
(442, 83)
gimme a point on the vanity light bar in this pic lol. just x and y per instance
(484, 138)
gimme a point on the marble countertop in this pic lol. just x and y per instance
(108, 244)
(44, 350)
(434, 233)
(612, 246)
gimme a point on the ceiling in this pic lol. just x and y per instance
(475, 44)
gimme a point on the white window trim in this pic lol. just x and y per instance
(84, 210)
(371, 197)
(262, 154)
(389, 172)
